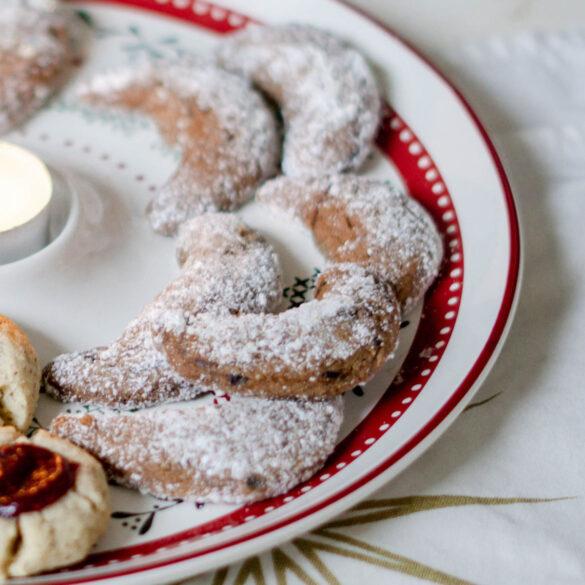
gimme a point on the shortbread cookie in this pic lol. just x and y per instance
(54, 503)
(36, 51)
(327, 93)
(321, 348)
(234, 451)
(20, 376)
(227, 269)
(366, 221)
(227, 134)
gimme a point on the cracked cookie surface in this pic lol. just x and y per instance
(20, 376)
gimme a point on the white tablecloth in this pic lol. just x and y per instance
(499, 499)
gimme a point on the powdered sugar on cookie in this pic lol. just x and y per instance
(227, 269)
(227, 133)
(238, 450)
(358, 219)
(254, 339)
(322, 348)
(36, 49)
(327, 92)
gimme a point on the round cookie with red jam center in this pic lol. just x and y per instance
(54, 503)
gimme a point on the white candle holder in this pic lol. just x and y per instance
(26, 239)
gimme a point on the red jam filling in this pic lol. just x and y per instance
(32, 478)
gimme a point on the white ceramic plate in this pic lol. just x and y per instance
(104, 263)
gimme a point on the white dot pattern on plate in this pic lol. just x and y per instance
(202, 8)
(424, 162)
(218, 14)
(431, 175)
(415, 148)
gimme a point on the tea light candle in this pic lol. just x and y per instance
(26, 188)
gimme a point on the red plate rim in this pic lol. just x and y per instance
(488, 352)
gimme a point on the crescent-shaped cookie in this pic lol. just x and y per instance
(226, 269)
(20, 376)
(366, 221)
(227, 134)
(321, 348)
(36, 50)
(327, 93)
(234, 451)
(54, 503)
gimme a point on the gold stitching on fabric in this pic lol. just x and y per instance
(316, 561)
(397, 507)
(283, 563)
(251, 568)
